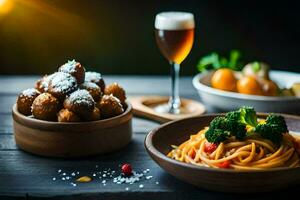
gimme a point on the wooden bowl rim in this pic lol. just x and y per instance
(43, 124)
(155, 152)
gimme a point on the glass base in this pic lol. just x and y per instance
(166, 108)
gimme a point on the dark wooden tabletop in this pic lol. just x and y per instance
(26, 176)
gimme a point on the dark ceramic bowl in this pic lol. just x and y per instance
(158, 143)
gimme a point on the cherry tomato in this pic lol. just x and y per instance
(210, 147)
(192, 154)
(224, 79)
(226, 164)
(126, 169)
(249, 85)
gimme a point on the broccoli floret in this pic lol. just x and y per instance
(273, 129)
(269, 132)
(248, 116)
(245, 115)
(217, 130)
(222, 128)
(279, 121)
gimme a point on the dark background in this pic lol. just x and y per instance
(117, 36)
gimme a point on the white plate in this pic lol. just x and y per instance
(226, 101)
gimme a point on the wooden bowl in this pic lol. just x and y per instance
(75, 139)
(158, 143)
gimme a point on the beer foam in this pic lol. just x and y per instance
(174, 21)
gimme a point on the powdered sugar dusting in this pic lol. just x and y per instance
(63, 83)
(69, 67)
(92, 77)
(81, 97)
(31, 92)
(45, 82)
(89, 85)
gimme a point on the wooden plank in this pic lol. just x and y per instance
(6, 102)
(140, 85)
(26, 175)
(22, 173)
(7, 142)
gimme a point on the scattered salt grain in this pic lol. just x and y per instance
(59, 170)
(104, 181)
(64, 174)
(94, 175)
(149, 177)
(104, 175)
(141, 186)
(73, 174)
(73, 184)
(53, 178)
(63, 178)
(127, 188)
(67, 178)
(156, 182)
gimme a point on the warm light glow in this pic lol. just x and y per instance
(2, 2)
(6, 6)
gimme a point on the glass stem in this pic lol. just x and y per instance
(174, 101)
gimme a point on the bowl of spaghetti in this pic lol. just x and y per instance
(240, 151)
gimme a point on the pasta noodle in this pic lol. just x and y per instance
(253, 153)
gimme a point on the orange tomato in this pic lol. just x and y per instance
(249, 85)
(225, 164)
(224, 79)
(269, 88)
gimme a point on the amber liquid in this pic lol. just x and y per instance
(175, 45)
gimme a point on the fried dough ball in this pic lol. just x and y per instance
(43, 83)
(93, 89)
(45, 107)
(64, 115)
(75, 69)
(25, 100)
(62, 84)
(95, 115)
(95, 78)
(110, 106)
(116, 90)
(81, 103)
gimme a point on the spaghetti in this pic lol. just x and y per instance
(252, 153)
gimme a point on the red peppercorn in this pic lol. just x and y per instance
(127, 169)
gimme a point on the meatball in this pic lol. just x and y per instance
(81, 103)
(95, 78)
(93, 89)
(61, 85)
(43, 83)
(25, 100)
(95, 115)
(116, 90)
(75, 69)
(64, 115)
(45, 107)
(110, 106)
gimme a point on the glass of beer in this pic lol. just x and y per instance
(174, 33)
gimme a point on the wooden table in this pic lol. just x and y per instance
(26, 176)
